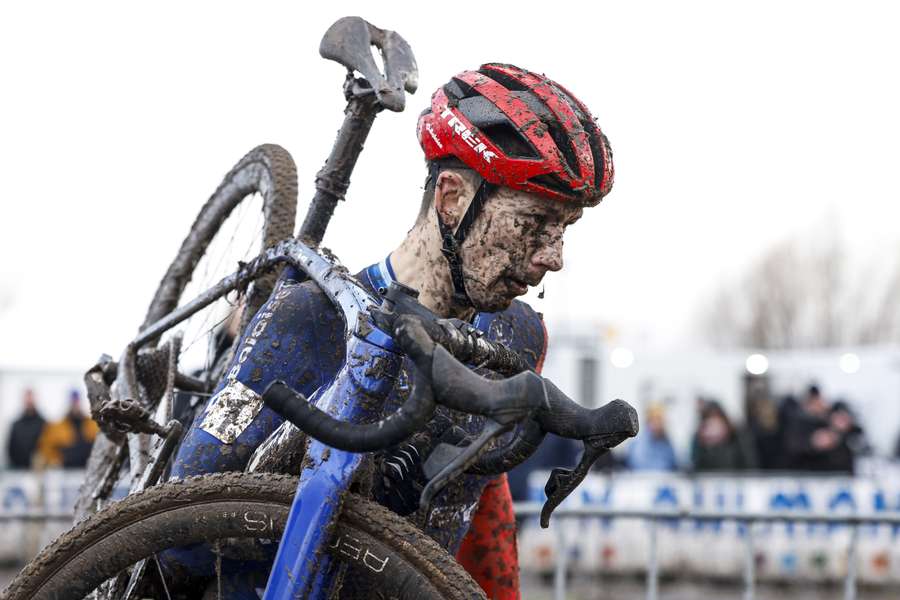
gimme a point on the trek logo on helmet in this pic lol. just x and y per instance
(460, 129)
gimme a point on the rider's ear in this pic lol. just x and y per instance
(451, 197)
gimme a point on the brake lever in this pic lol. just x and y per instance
(563, 482)
(447, 461)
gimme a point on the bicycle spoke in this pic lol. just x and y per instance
(237, 220)
(201, 335)
(257, 226)
(162, 577)
(227, 248)
(136, 573)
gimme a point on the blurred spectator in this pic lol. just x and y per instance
(788, 410)
(763, 425)
(813, 441)
(651, 450)
(718, 445)
(67, 443)
(24, 434)
(853, 439)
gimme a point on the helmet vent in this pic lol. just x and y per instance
(508, 139)
(565, 146)
(552, 182)
(505, 80)
(457, 89)
(596, 145)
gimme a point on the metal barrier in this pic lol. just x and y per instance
(527, 509)
(37, 517)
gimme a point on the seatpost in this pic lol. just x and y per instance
(333, 179)
(349, 42)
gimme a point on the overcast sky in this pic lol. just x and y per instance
(733, 125)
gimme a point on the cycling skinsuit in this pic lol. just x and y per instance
(302, 343)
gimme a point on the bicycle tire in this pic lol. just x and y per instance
(215, 507)
(268, 169)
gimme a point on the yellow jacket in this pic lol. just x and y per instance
(60, 438)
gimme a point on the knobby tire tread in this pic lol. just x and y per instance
(281, 210)
(96, 536)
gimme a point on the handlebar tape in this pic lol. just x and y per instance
(356, 437)
(352, 437)
(504, 400)
(566, 418)
(509, 399)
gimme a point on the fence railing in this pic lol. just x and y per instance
(37, 517)
(654, 517)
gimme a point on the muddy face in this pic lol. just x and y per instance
(515, 240)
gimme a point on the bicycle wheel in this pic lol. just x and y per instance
(267, 169)
(266, 173)
(386, 556)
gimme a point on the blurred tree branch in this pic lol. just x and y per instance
(807, 293)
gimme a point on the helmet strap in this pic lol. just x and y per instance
(452, 241)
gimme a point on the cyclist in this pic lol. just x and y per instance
(513, 158)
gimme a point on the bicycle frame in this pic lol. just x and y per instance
(301, 564)
(347, 411)
(302, 567)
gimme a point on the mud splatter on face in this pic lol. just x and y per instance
(516, 238)
(514, 242)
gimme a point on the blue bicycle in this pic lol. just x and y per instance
(322, 535)
(333, 541)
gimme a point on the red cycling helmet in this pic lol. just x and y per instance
(520, 130)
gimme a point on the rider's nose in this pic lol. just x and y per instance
(549, 257)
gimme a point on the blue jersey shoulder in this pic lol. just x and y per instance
(521, 328)
(297, 337)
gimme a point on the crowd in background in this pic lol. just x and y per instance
(805, 434)
(796, 434)
(35, 443)
(809, 433)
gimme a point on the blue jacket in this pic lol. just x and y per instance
(649, 453)
(300, 340)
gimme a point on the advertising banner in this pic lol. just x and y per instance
(718, 548)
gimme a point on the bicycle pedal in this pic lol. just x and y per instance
(127, 416)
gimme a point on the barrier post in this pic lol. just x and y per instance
(559, 575)
(749, 562)
(652, 563)
(850, 580)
